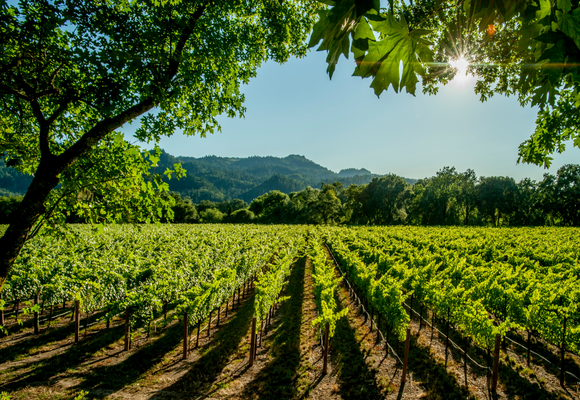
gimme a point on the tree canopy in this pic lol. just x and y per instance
(530, 49)
(72, 72)
(448, 198)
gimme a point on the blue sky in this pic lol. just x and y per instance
(295, 108)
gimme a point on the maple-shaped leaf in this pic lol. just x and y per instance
(397, 46)
(335, 27)
(363, 35)
(569, 22)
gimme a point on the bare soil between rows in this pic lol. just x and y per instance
(288, 363)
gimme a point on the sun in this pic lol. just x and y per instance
(461, 65)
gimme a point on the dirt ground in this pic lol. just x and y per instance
(288, 364)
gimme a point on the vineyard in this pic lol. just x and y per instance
(226, 311)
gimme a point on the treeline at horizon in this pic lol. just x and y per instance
(448, 198)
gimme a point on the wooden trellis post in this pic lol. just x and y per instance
(127, 330)
(2, 311)
(406, 357)
(447, 338)
(185, 335)
(197, 337)
(209, 324)
(77, 319)
(562, 355)
(252, 342)
(325, 362)
(494, 375)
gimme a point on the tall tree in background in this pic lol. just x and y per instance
(467, 194)
(351, 198)
(271, 207)
(547, 198)
(441, 192)
(528, 207)
(526, 48)
(497, 197)
(447, 198)
(300, 209)
(384, 200)
(567, 191)
(72, 72)
(329, 207)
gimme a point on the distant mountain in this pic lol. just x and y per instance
(295, 166)
(12, 181)
(222, 178)
(276, 182)
(350, 172)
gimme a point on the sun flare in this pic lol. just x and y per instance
(461, 65)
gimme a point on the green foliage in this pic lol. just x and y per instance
(448, 198)
(485, 282)
(139, 269)
(496, 197)
(73, 72)
(567, 194)
(325, 285)
(270, 206)
(12, 180)
(82, 395)
(7, 206)
(184, 210)
(272, 278)
(382, 58)
(242, 216)
(384, 200)
(530, 49)
(277, 182)
(211, 215)
(120, 189)
(216, 179)
(385, 294)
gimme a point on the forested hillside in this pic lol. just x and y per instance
(223, 178)
(296, 190)
(12, 181)
(448, 198)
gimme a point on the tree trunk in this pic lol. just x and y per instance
(25, 216)
(51, 166)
